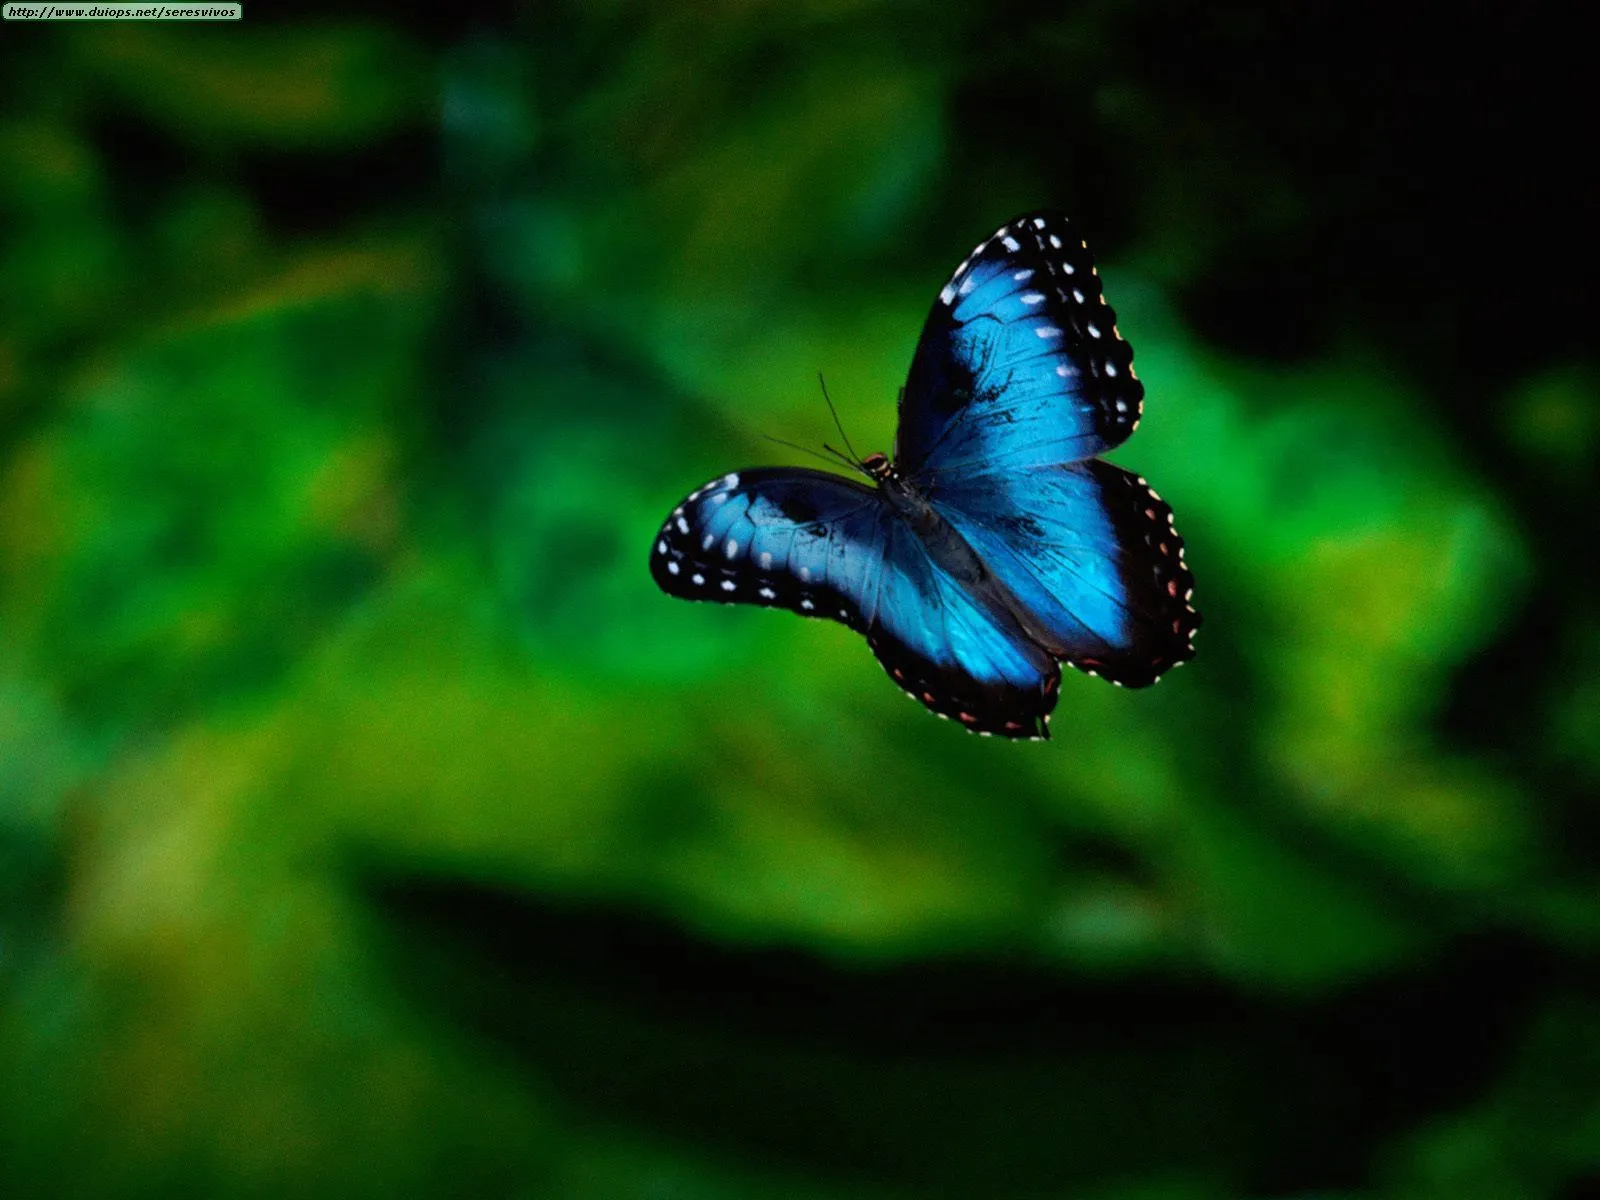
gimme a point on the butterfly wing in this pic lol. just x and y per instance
(824, 546)
(1020, 379)
(1020, 363)
(945, 647)
(1091, 552)
(783, 537)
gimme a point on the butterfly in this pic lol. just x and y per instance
(995, 545)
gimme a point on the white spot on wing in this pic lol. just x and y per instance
(683, 526)
(731, 549)
(1055, 241)
(766, 561)
(731, 479)
(1011, 244)
(698, 579)
(1023, 275)
(1033, 297)
(1047, 331)
(705, 542)
(728, 585)
(768, 594)
(1094, 330)
(672, 568)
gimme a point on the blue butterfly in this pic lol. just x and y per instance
(995, 545)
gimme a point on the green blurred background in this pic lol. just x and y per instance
(371, 826)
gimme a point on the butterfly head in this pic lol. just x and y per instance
(877, 466)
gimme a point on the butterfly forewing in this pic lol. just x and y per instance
(1020, 364)
(787, 537)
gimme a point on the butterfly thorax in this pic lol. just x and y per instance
(903, 496)
(878, 466)
(906, 499)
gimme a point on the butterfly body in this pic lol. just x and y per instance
(995, 545)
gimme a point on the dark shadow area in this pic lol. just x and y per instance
(305, 194)
(946, 1076)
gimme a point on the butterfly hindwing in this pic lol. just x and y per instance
(946, 647)
(1020, 364)
(825, 546)
(1091, 552)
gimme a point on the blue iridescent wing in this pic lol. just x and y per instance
(1020, 363)
(946, 645)
(1020, 379)
(824, 546)
(1090, 552)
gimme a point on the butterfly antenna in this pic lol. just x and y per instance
(846, 460)
(802, 449)
(855, 459)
